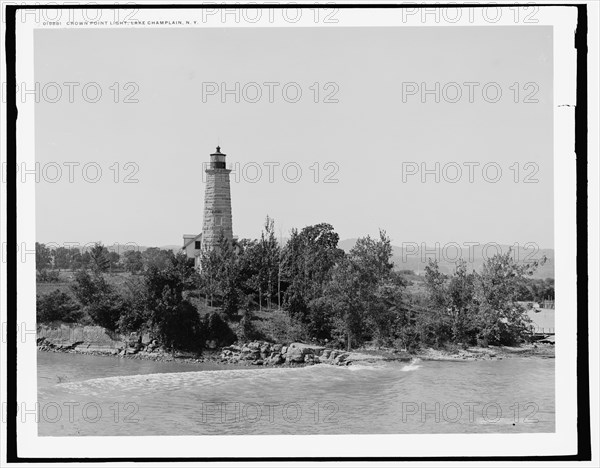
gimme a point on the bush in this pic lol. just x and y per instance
(107, 310)
(279, 327)
(48, 276)
(177, 323)
(246, 330)
(100, 300)
(57, 305)
(216, 329)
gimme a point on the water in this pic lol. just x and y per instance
(92, 395)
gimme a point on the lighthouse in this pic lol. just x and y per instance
(217, 202)
(217, 209)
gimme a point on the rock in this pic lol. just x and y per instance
(250, 355)
(340, 359)
(277, 348)
(297, 351)
(258, 362)
(284, 349)
(277, 359)
(326, 353)
(295, 358)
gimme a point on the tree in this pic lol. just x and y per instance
(461, 291)
(133, 261)
(100, 301)
(307, 262)
(171, 317)
(500, 318)
(157, 258)
(364, 295)
(99, 258)
(43, 257)
(62, 258)
(57, 305)
(451, 309)
(176, 322)
(113, 260)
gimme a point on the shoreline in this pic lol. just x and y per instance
(302, 355)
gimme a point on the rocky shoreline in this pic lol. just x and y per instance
(254, 353)
(491, 353)
(262, 353)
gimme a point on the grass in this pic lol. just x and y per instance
(67, 278)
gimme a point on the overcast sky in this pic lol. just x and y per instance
(369, 135)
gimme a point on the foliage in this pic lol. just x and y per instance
(173, 319)
(133, 261)
(100, 300)
(43, 257)
(99, 258)
(47, 276)
(500, 318)
(216, 329)
(307, 263)
(57, 305)
(246, 330)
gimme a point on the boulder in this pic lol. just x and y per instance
(301, 349)
(276, 359)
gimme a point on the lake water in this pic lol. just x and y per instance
(93, 395)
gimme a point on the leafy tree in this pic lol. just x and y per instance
(307, 264)
(363, 294)
(216, 329)
(171, 317)
(75, 259)
(133, 261)
(113, 260)
(57, 305)
(43, 257)
(157, 258)
(500, 318)
(62, 258)
(99, 258)
(101, 302)
(176, 322)
(461, 291)
(135, 316)
(86, 260)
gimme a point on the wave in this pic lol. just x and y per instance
(413, 366)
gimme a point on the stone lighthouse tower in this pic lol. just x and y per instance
(217, 202)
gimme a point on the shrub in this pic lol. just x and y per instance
(57, 305)
(175, 322)
(279, 327)
(48, 276)
(246, 329)
(107, 310)
(100, 300)
(216, 329)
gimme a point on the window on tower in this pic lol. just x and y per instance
(197, 245)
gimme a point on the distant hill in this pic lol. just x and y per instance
(415, 257)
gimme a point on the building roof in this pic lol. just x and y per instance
(191, 238)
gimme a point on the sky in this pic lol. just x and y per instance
(370, 146)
